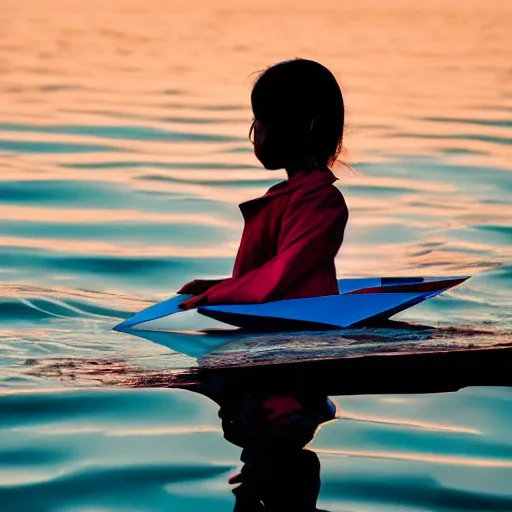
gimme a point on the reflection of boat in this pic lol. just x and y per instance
(360, 301)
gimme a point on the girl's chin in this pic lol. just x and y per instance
(270, 165)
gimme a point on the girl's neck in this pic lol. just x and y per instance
(294, 170)
(291, 172)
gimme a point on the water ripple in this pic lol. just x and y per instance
(138, 133)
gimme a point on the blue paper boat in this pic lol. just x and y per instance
(361, 301)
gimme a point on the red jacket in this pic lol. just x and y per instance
(290, 239)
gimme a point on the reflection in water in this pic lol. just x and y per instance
(272, 411)
(388, 358)
(273, 429)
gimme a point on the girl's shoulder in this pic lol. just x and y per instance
(328, 195)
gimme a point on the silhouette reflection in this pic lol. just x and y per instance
(273, 411)
(273, 428)
(272, 406)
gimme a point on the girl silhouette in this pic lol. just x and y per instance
(293, 232)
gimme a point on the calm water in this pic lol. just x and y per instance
(123, 156)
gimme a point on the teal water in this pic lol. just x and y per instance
(123, 157)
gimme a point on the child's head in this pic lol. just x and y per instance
(298, 116)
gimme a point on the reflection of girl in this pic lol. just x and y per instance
(272, 416)
(293, 232)
(278, 473)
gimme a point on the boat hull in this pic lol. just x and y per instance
(361, 301)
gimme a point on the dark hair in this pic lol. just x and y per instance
(303, 97)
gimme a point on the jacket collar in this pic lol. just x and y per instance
(307, 181)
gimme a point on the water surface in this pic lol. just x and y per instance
(124, 155)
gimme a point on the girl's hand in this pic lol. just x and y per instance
(198, 286)
(193, 302)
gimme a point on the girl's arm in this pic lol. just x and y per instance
(313, 227)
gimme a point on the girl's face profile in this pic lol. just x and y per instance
(260, 135)
(270, 147)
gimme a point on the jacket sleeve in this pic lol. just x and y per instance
(313, 228)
